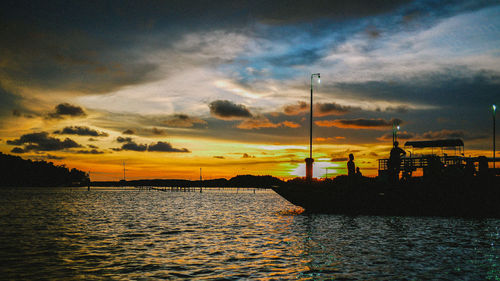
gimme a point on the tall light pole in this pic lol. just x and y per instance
(310, 160)
(494, 108)
(396, 133)
(395, 129)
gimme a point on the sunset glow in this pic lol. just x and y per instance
(168, 88)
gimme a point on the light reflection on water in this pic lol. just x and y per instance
(228, 234)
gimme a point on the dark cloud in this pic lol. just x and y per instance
(43, 142)
(320, 109)
(93, 151)
(85, 48)
(122, 139)
(53, 157)
(134, 146)
(448, 87)
(66, 110)
(80, 131)
(359, 123)
(246, 155)
(296, 109)
(282, 12)
(128, 132)
(401, 136)
(144, 16)
(224, 109)
(443, 134)
(17, 150)
(64, 56)
(398, 109)
(219, 157)
(432, 135)
(165, 147)
(92, 146)
(325, 109)
(158, 132)
(183, 121)
(130, 144)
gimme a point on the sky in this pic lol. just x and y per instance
(169, 87)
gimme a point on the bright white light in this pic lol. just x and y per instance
(319, 170)
(494, 107)
(398, 127)
(319, 80)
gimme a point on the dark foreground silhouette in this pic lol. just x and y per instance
(15, 171)
(448, 195)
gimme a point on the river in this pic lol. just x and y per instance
(234, 234)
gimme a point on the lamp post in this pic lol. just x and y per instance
(395, 129)
(310, 160)
(396, 133)
(494, 108)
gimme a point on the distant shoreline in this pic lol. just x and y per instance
(238, 181)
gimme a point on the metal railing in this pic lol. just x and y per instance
(413, 163)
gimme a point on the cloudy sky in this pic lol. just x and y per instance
(169, 87)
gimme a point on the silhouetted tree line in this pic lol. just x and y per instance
(15, 171)
(238, 181)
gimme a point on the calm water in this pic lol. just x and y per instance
(230, 235)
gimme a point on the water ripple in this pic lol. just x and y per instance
(224, 235)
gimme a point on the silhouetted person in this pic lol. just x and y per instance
(483, 166)
(434, 168)
(358, 172)
(470, 170)
(351, 167)
(394, 163)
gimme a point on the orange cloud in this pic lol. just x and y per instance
(360, 123)
(257, 123)
(320, 139)
(320, 109)
(290, 124)
(296, 109)
(263, 122)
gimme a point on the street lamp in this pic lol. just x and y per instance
(310, 160)
(494, 108)
(395, 129)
